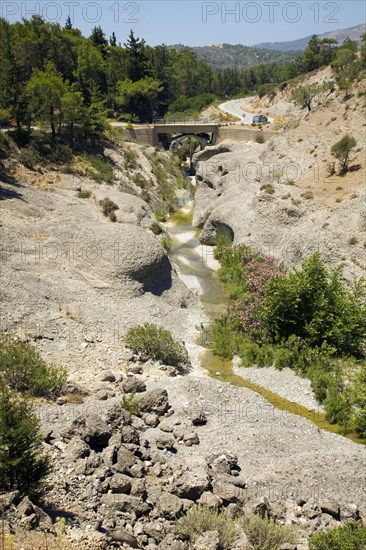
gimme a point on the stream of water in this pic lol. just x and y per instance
(196, 266)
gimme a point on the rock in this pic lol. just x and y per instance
(228, 492)
(223, 463)
(190, 438)
(133, 384)
(197, 415)
(155, 401)
(125, 461)
(151, 419)
(33, 516)
(117, 416)
(260, 507)
(123, 537)
(168, 506)
(125, 503)
(130, 435)
(191, 485)
(119, 483)
(7, 500)
(135, 368)
(210, 500)
(101, 395)
(165, 441)
(166, 426)
(208, 541)
(97, 432)
(73, 388)
(75, 449)
(107, 376)
(331, 508)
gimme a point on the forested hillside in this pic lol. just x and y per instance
(53, 75)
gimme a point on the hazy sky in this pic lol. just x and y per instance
(196, 22)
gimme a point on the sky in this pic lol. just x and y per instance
(197, 22)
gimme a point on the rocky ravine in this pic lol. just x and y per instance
(73, 283)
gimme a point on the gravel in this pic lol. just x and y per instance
(284, 382)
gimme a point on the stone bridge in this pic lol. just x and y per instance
(152, 134)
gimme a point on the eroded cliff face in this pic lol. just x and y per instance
(73, 281)
(280, 198)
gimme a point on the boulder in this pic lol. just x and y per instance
(132, 383)
(169, 506)
(223, 463)
(33, 517)
(165, 441)
(125, 461)
(155, 401)
(119, 483)
(122, 536)
(107, 376)
(191, 438)
(75, 449)
(191, 484)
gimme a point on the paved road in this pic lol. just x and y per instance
(233, 107)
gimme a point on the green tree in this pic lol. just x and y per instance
(312, 54)
(140, 96)
(304, 95)
(23, 466)
(363, 51)
(113, 39)
(359, 412)
(342, 151)
(98, 38)
(45, 90)
(345, 66)
(137, 59)
(327, 49)
(68, 23)
(73, 110)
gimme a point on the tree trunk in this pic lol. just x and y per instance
(52, 122)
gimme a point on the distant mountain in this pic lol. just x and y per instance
(223, 56)
(354, 33)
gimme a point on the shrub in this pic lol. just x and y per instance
(266, 534)
(139, 180)
(156, 228)
(84, 194)
(252, 353)
(166, 243)
(200, 519)
(61, 154)
(112, 216)
(345, 537)
(97, 167)
(108, 206)
(130, 159)
(23, 369)
(259, 138)
(30, 157)
(157, 343)
(315, 304)
(130, 403)
(160, 215)
(23, 467)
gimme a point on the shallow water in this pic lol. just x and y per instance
(197, 268)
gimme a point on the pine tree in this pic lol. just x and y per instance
(137, 61)
(98, 37)
(113, 39)
(68, 24)
(23, 467)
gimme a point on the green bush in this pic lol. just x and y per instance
(156, 343)
(200, 519)
(166, 243)
(139, 180)
(359, 409)
(130, 159)
(23, 467)
(342, 151)
(316, 305)
(30, 157)
(101, 168)
(160, 215)
(130, 403)
(345, 537)
(266, 534)
(108, 207)
(23, 369)
(259, 138)
(84, 194)
(252, 353)
(156, 228)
